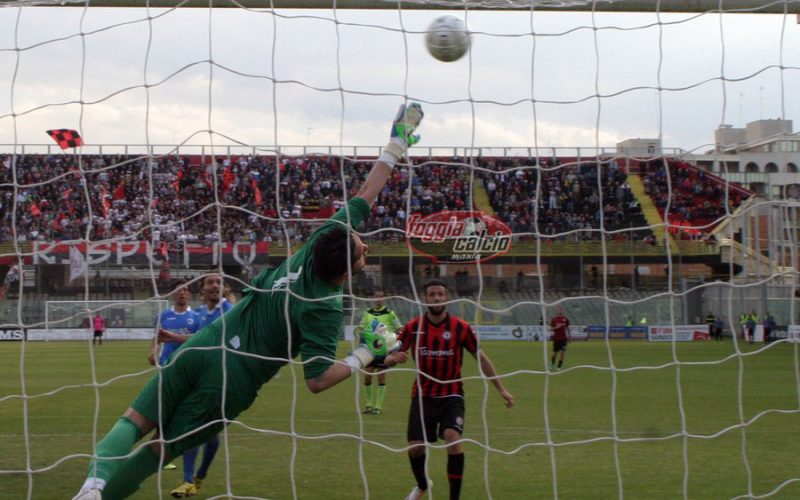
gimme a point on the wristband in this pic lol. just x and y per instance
(393, 151)
(359, 358)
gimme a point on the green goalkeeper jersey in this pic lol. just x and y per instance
(384, 315)
(310, 324)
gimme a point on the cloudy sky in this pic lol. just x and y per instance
(297, 77)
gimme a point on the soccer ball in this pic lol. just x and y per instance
(447, 38)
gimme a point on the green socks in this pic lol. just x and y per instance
(117, 443)
(381, 394)
(132, 474)
(368, 394)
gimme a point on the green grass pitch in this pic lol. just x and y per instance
(677, 427)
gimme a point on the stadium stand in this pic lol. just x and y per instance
(570, 206)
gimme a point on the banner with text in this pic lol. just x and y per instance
(616, 332)
(143, 253)
(534, 333)
(86, 335)
(678, 333)
(7, 334)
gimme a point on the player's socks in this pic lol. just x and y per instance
(560, 363)
(418, 468)
(209, 452)
(455, 474)
(379, 397)
(368, 395)
(117, 443)
(189, 459)
(132, 474)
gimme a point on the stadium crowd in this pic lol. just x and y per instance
(571, 204)
(697, 202)
(172, 198)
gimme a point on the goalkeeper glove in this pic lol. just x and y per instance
(379, 340)
(402, 132)
(376, 343)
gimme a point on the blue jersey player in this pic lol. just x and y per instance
(179, 320)
(214, 306)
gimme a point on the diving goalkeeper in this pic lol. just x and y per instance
(183, 403)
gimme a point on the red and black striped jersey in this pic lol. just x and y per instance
(560, 325)
(438, 350)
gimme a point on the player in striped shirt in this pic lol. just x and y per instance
(560, 326)
(437, 341)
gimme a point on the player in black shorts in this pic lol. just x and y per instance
(437, 341)
(560, 326)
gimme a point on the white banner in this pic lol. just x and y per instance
(793, 332)
(535, 333)
(679, 333)
(77, 263)
(87, 335)
(758, 334)
(11, 334)
(505, 332)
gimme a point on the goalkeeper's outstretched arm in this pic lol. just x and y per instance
(402, 136)
(342, 370)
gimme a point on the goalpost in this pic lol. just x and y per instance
(673, 118)
(67, 319)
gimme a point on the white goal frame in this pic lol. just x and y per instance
(89, 309)
(749, 6)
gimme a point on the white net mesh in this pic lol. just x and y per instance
(219, 139)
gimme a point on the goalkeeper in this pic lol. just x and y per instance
(295, 309)
(387, 317)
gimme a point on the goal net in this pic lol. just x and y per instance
(122, 320)
(631, 166)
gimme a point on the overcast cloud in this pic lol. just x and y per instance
(278, 78)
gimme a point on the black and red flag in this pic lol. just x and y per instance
(66, 138)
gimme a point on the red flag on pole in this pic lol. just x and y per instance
(227, 179)
(119, 192)
(176, 185)
(163, 250)
(106, 203)
(257, 191)
(66, 138)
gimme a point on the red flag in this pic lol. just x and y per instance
(66, 138)
(67, 193)
(176, 185)
(227, 179)
(257, 191)
(119, 192)
(106, 202)
(35, 210)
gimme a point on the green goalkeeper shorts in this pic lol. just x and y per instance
(190, 406)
